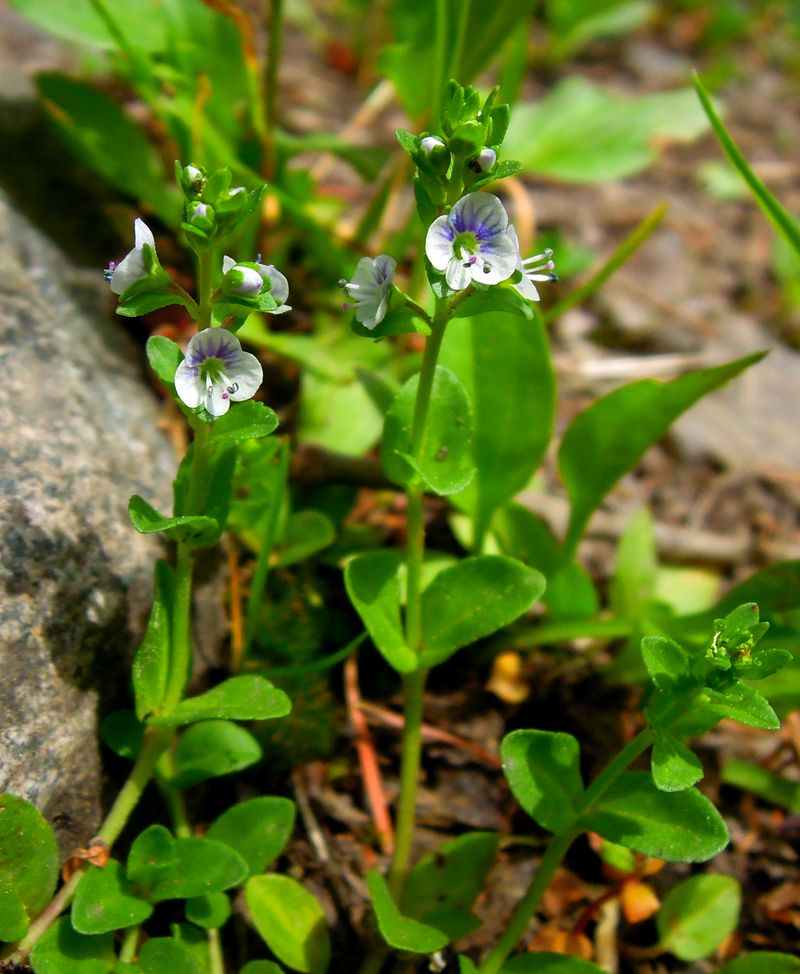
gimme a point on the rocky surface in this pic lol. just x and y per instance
(78, 435)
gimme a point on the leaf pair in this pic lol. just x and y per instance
(463, 603)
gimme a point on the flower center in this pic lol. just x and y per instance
(211, 370)
(465, 241)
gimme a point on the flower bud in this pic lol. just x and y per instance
(193, 179)
(200, 215)
(243, 280)
(431, 142)
(486, 159)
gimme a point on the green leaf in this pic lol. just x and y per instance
(543, 769)
(442, 887)
(28, 865)
(105, 901)
(373, 584)
(261, 967)
(210, 911)
(163, 868)
(780, 217)
(769, 785)
(239, 698)
(444, 464)
(194, 529)
(674, 766)
(605, 440)
(680, 826)
(697, 915)
(495, 301)
(397, 321)
(636, 566)
(762, 962)
(523, 535)
(64, 951)
(666, 662)
(304, 534)
(258, 829)
(399, 931)
(738, 701)
(473, 599)
(290, 921)
(582, 133)
(123, 733)
(212, 748)
(104, 138)
(245, 421)
(143, 302)
(547, 963)
(505, 365)
(151, 662)
(164, 357)
(163, 955)
(79, 22)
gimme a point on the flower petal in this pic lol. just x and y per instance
(439, 242)
(227, 263)
(142, 234)
(457, 275)
(214, 401)
(247, 373)
(500, 256)
(480, 213)
(280, 286)
(191, 390)
(128, 271)
(213, 343)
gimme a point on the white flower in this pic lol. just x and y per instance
(280, 286)
(537, 268)
(216, 372)
(470, 243)
(131, 268)
(370, 288)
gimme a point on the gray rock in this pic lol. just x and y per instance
(78, 435)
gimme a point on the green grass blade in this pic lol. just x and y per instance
(783, 221)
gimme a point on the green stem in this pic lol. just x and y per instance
(130, 944)
(216, 964)
(440, 55)
(415, 545)
(556, 850)
(205, 287)
(413, 689)
(156, 740)
(173, 796)
(180, 657)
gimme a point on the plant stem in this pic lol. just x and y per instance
(413, 692)
(440, 54)
(205, 285)
(556, 850)
(415, 545)
(216, 964)
(180, 657)
(156, 740)
(414, 683)
(130, 943)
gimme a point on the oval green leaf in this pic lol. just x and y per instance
(239, 698)
(444, 464)
(62, 950)
(399, 931)
(473, 599)
(210, 911)
(547, 963)
(680, 826)
(698, 914)
(291, 922)
(373, 584)
(258, 829)
(211, 748)
(105, 901)
(763, 962)
(28, 864)
(163, 955)
(543, 770)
